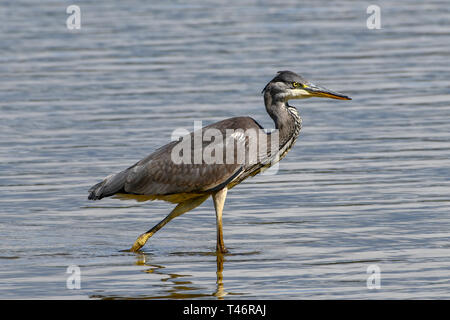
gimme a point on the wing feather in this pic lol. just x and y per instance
(158, 174)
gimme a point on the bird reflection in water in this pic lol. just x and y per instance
(220, 292)
(181, 288)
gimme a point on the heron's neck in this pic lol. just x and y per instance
(286, 118)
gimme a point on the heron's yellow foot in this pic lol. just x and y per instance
(140, 242)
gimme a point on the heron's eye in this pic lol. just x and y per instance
(297, 84)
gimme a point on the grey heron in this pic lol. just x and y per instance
(189, 183)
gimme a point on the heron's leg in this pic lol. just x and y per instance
(219, 201)
(179, 210)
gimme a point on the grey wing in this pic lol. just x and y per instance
(225, 157)
(162, 173)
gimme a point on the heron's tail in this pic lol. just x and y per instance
(111, 185)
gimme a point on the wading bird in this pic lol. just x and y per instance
(189, 183)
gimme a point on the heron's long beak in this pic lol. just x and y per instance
(316, 91)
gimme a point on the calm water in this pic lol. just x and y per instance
(368, 182)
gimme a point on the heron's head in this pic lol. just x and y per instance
(288, 85)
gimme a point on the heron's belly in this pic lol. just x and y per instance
(173, 198)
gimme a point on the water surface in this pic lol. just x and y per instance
(367, 183)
